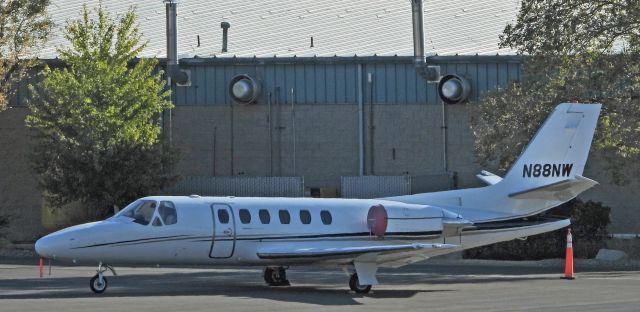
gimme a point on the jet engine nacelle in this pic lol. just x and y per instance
(454, 89)
(408, 218)
(244, 89)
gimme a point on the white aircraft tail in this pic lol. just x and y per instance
(547, 173)
(559, 149)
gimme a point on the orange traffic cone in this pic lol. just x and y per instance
(568, 264)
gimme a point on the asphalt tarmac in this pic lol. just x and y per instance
(421, 287)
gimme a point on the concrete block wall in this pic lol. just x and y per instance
(624, 200)
(326, 149)
(406, 140)
(20, 198)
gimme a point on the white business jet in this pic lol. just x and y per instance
(358, 235)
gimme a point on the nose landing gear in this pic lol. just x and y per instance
(98, 283)
(276, 276)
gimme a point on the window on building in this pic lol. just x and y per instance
(265, 218)
(223, 216)
(168, 213)
(325, 216)
(305, 216)
(285, 218)
(245, 216)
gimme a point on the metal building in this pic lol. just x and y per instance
(314, 90)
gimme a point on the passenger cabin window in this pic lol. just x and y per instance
(265, 218)
(223, 216)
(285, 218)
(305, 216)
(325, 216)
(168, 213)
(245, 216)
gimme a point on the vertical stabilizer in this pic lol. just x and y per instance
(547, 173)
(559, 149)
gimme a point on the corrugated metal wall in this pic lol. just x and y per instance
(386, 186)
(330, 80)
(394, 80)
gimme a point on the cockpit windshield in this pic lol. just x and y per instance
(141, 211)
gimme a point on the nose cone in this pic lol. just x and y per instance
(60, 243)
(48, 246)
(63, 244)
(43, 247)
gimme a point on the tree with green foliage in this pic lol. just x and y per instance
(575, 50)
(97, 118)
(24, 27)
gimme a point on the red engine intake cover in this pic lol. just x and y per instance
(377, 220)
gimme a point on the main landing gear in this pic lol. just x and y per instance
(276, 276)
(354, 284)
(98, 283)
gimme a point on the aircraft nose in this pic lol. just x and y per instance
(44, 247)
(51, 246)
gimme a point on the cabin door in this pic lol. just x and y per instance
(224, 231)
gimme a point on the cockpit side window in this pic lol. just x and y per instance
(168, 213)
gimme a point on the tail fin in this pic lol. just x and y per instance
(547, 174)
(559, 149)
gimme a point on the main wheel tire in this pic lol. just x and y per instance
(354, 284)
(276, 277)
(268, 276)
(96, 286)
(282, 277)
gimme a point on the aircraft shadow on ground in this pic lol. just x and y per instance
(323, 291)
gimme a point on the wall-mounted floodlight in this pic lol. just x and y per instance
(244, 89)
(454, 89)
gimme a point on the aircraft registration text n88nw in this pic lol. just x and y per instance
(546, 170)
(358, 235)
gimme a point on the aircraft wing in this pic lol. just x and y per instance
(325, 253)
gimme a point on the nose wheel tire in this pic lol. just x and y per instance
(354, 284)
(98, 286)
(276, 276)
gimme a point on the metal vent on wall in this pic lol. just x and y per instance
(244, 89)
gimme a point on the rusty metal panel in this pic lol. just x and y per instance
(239, 186)
(375, 186)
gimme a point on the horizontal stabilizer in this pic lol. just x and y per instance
(562, 191)
(297, 253)
(488, 177)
